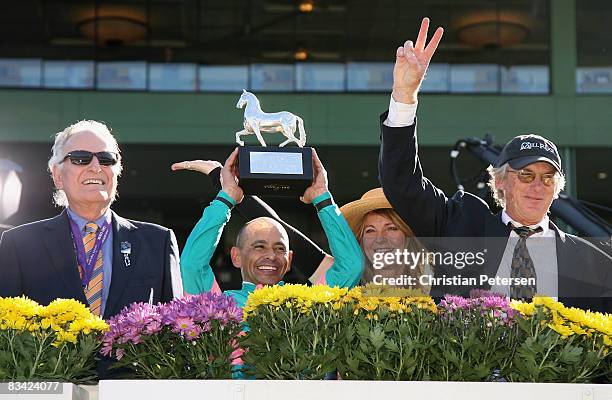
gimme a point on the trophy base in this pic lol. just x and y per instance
(275, 171)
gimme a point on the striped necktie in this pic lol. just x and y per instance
(93, 291)
(522, 264)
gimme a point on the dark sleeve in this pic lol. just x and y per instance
(596, 267)
(306, 254)
(10, 281)
(172, 284)
(215, 178)
(420, 204)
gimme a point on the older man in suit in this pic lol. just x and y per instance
(88, 252)
(525, 253)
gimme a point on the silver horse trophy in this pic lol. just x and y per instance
(256, 121)
(276, 171)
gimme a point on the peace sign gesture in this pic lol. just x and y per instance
(411, 63)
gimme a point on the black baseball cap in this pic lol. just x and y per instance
(528, 149)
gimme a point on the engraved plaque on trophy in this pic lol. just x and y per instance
(276, 171)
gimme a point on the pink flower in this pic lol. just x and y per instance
(193, 333)
(183, 324)
(153, 327)
(106, 349)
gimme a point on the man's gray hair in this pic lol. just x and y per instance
(57, 151)
(502, 172)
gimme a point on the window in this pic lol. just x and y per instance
(122, 75)
(172, 77)
(20, 73)
(364, 76)
(68, 74)
(594, 55)
(224, 78)
(320, 77)
(272, 77)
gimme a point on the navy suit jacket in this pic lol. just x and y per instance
(584, 271)
(39, 260)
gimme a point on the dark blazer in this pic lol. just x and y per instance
(584, 271)
(39, 260)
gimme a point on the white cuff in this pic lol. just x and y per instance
(400, 114)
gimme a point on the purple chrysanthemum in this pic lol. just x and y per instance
(485, 303)
(188, 316)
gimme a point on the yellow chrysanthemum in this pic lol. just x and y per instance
(371, 298)
(95, 323)
(66, 310)
(64, 336)
(34, 327)
(567, 320)
(527, 309)
(301, 297)
(597, 321)
(561, 329)
(20, 305)
(19, 313)
(577, 329)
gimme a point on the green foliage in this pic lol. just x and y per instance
(385, 345)
(29, 356)
(285, 343)
(472, 346)
(168, 355)
(375, 333)
(544, 355)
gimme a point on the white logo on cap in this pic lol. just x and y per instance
(535, 145)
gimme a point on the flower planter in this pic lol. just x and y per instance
(42, 390)
(354, 390)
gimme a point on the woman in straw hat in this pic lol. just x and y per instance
(380, 231)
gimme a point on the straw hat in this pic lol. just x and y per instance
(355, 210)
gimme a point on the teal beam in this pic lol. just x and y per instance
(568, 155)
(563, 47)
(563, 78)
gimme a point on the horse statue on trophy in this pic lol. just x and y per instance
(256, 121)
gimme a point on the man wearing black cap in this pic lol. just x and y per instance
(523, 253)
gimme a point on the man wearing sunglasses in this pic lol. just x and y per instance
(88, 252)
(523, 252)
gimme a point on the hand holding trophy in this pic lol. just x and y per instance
(277, 171)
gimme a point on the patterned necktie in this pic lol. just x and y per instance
(93, 291)
(522, 264)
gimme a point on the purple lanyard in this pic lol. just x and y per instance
(87, 264)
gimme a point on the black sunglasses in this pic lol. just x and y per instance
(84, 157)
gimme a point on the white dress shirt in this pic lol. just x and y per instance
(543, 252)
(400, 114)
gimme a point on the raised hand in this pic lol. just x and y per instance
(319, 180)
(229, 177)
(411, 63)
(203, 166)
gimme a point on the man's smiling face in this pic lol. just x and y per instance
(92, 185)
(263, 252)
(528, 203)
